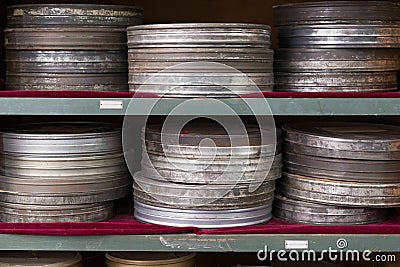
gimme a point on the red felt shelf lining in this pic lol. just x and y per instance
(125, 224)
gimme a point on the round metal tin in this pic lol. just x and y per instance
(111, 82)
(199, 35)
(340, 36)
(344, 165)
(48, 259)
(18, 213)
(206, 204)
(328, 60)
(203, 219)
(49, 167)
(333, 12)
(65, 39)
(125, 259)
(80, 15)
(62, 138)
(347, 136)
(341, 154)
(346, 81)
(195, 191)
(177, 176)
(20, 61)
(310, 213)
(340, 193)
(194, 152)
(73, 198)
(361, 177)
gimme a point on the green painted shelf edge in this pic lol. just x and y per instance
(196, 243)
(278, 106)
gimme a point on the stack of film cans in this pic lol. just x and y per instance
(205, 179)
(72, 47)
(200, 60)
(337, 46)
(61, 172)
(339, 173)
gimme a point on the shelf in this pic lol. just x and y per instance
(195, 243)
(142, 106)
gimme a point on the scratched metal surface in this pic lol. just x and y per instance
(310, 213)
(82, 15)
(332, 12)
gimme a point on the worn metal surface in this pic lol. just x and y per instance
(61, 138)
(340, 193)
(126, 259)
(344, 170)
(20, 61)
(332, 12)
(169, 189)
(49, 167)
(345, 81)
(69, 213)
(35, 258)
(310, 213)
(67, 82)
(203, 219)
(68, 198)
(328, 60)
(347, 136)
(80, 15)
(199, 35)
(340, 36)
(65, 39)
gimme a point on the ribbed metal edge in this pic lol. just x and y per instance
(202, 219)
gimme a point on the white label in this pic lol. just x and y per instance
(296, 244)
(111, 104)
